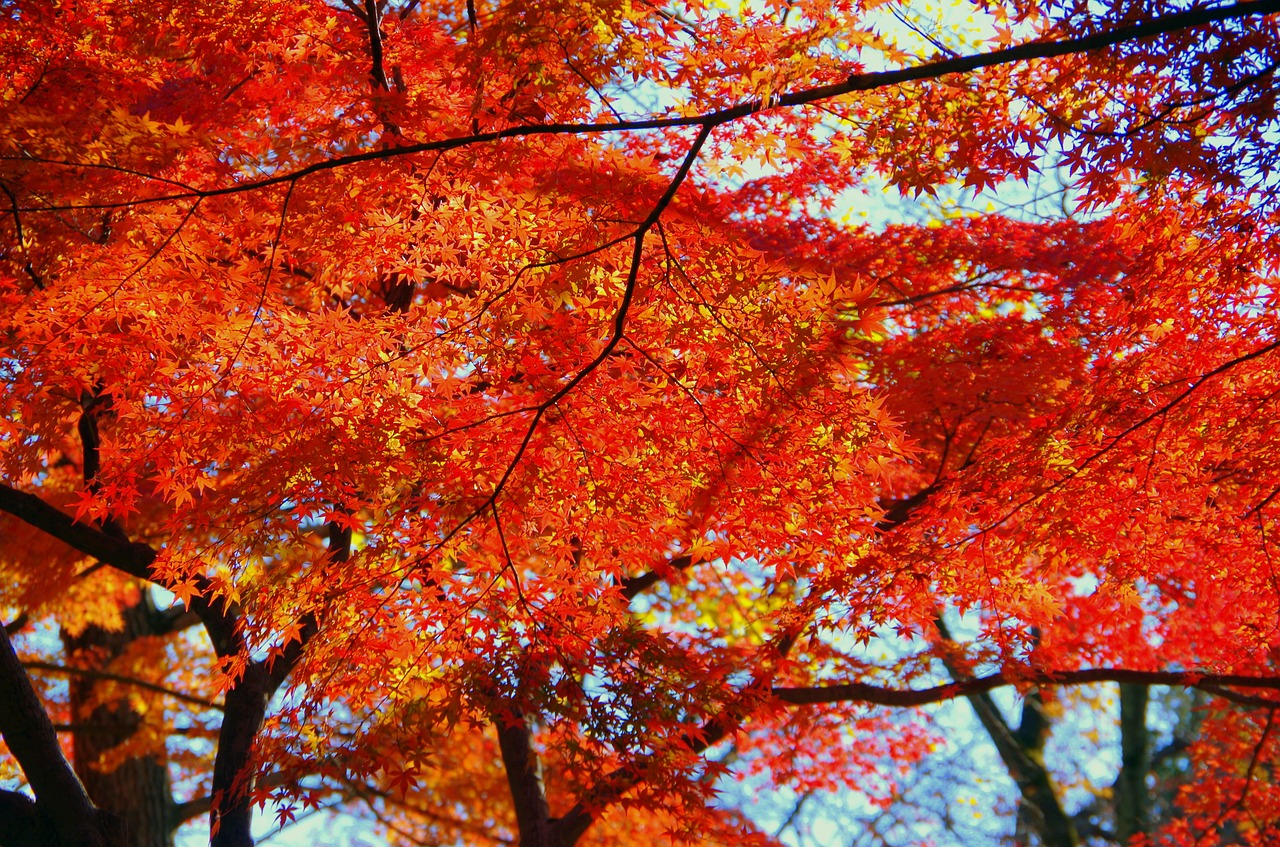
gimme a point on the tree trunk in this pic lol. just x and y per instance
(138, 791)
(1132, 802)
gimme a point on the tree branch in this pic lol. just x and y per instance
(373, 21)
(132, 558)
(90, 673)
(129, 557)
(528, 796)
(855, 83)
(231, 810)
(633, 586)
(19, 822)
(1040, 805)
(61, 801)
(180, 813)
(176, 618)
(36, 279)
(860, 692)
(1132, 797)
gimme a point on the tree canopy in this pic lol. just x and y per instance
(484, 419)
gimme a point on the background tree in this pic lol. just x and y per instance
(523, 448)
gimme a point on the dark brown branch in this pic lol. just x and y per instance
(897, 512)
(173, 619)
(31, 739)
(245, 703)
(191, 809)
(95, 404)
(246, 709)
(130, 557)
(339, 552)
(231, 811)
(853, 84)
(180, 813)
(61, 801)
(373, 22)
(1253, 701)
(116, 726)
(632, 586)
(1132, 797)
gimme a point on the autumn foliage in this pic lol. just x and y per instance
(528, 444)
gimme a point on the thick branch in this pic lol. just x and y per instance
(130, 557)
(231, 811)
(61, 801)
(246, 708)
(1040, 805)
(1215, 684)
(898, 512)
(19, 823)
(31, 739)
(633, 586)
(176, 618)
(339, 552)
(373, 21)
(245, 703)
(528, 796)
(191, 809)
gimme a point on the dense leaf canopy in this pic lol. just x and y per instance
(530, 443)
